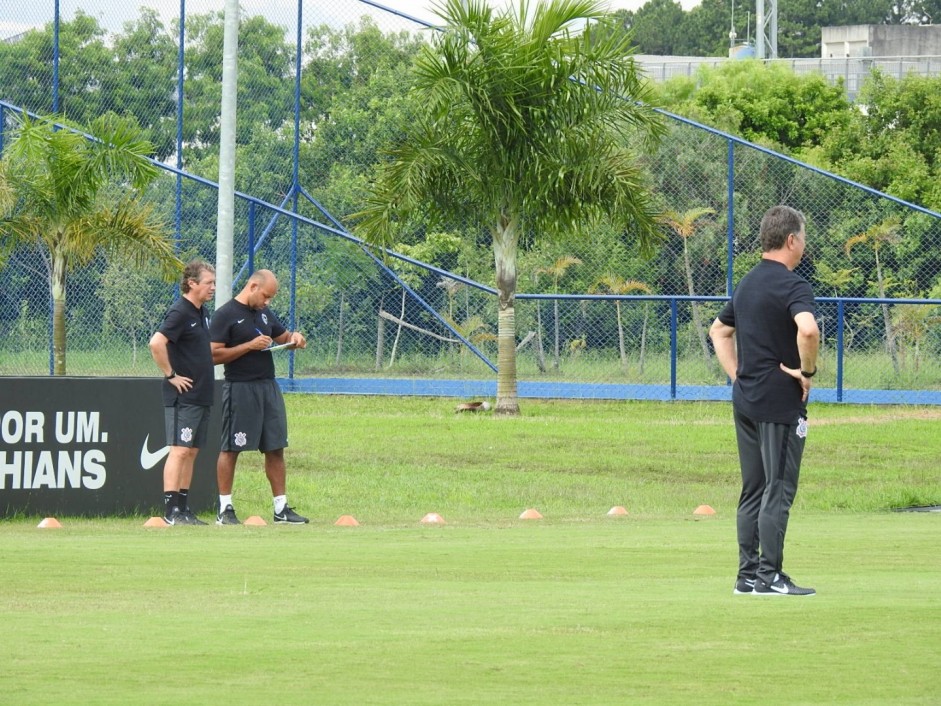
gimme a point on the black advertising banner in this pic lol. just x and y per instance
(92, 447)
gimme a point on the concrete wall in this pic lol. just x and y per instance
(880, 40)
(906, 40)
(850, 40)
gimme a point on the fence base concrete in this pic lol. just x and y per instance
(432, 387)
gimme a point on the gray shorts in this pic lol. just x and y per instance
(187, 425)
(253, 416)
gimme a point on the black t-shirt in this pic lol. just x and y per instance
(187, 330)
(762, 310)
(234, 324)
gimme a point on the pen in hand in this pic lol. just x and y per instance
(258, 330)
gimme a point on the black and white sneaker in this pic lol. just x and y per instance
(743, 586)
(227, 517)
(182, 517)
(189, 518)
(288, 516)
(781, 586)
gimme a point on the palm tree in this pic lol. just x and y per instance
(520, 124)
(884, 233)
(612, 284)
(913, 323)
(686, 226)
(474, 329)
(557, 271)
(835, 280)
(77, 195)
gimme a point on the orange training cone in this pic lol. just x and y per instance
(433, 518)
(49, 523)
(704, 510)
(346, 521)
(617, 510)
(156, 522)
(531, 514)
(254, 520)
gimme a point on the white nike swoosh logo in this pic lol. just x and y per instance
(149, 459)
(240, 321)
(193, 324)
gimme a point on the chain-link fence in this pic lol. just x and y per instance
(595, 318)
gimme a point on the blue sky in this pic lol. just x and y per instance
(19, 15)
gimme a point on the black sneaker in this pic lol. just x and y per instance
(781, 586)
(183, 517)
(173, 515)
(227, 517)
(743, 586)
(288, 516)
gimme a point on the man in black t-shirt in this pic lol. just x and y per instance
(181, 350)
(766, 339)
(253, 412)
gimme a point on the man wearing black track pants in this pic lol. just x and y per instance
(766, 339)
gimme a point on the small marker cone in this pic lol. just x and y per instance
(346, 521)
(433, 518)
(49, 523)
(156, 522)
(617, 510)
(254, 520)
(704, 510)
(531, 514)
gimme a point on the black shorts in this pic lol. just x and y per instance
(187, 425)
(253, 416)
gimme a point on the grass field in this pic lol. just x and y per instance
(577, 608)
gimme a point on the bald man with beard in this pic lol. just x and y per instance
(253, 413)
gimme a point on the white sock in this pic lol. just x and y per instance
(223, 501)
(279, 502)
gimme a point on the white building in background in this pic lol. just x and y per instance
(865, 41)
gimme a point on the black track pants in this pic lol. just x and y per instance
(770, 457)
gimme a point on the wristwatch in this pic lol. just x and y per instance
(808, 375)
(170, 376)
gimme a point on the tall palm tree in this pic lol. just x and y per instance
(686, 225)
(76, 196)
(557, 271)
(835, 280)
(613, 284)
(520, 124)
(884, 233)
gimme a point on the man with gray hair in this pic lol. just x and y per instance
(766, 339)
(181, 350)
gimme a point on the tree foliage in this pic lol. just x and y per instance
(74, 197)
(663, 27)
(356, 98)
(764, 103)
(522, 123)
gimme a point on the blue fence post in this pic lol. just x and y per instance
(55, 60)
(251, 236)
(673, 348)
(839, 350)
(295, 183)
(55, 109)
(730, 211)
(178, 205)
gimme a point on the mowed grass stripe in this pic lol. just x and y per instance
(609, 611)
(577, 608)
